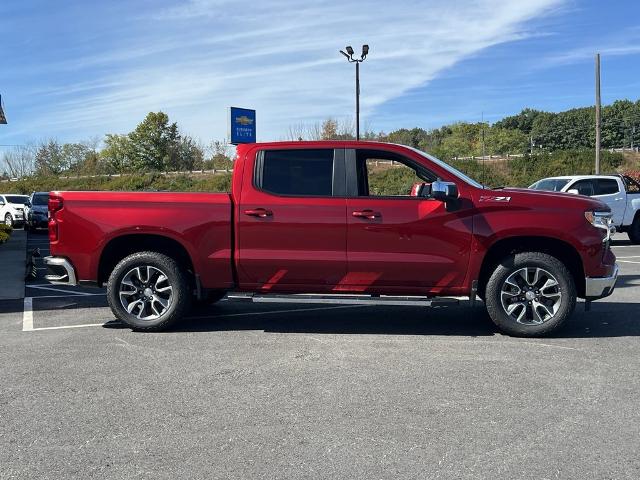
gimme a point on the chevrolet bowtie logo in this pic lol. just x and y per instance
(244, 120)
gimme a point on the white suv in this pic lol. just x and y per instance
(12, 209)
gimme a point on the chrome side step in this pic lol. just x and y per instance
(349, 299)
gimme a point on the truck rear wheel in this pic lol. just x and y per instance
(530, 294)
(148, 291)
(634, 230)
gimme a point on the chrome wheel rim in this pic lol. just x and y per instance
(8, 220)
(531, 296)
(146, 292)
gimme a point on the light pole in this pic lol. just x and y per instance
(357, 61)
(3, 118)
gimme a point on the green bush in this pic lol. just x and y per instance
(5, 232)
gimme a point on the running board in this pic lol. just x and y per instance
(350, 299)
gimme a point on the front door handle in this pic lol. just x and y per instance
(368, 214)
(258, 212)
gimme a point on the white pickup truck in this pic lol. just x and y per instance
(619, 192)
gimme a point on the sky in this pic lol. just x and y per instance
(76, 69)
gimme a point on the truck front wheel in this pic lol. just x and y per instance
(148, 291)
(530, 294)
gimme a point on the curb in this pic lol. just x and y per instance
(13, 258)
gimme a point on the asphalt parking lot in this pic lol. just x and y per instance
(309, 391)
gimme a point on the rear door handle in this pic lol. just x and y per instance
(258, 212)
(368, 214)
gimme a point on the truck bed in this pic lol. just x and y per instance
(199, 222)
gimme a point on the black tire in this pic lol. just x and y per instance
(209, 297)
(8, 220)
(535, 262)
(178, 301)
(634, 231)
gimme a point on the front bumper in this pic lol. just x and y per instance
(600, 287)
(60, 271)
(38, 221)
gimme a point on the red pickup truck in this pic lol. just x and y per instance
(313, 221)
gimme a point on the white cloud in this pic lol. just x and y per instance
(622, 43)
(280, 57)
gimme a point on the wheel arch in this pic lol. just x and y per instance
(124, 245)
(559, 249)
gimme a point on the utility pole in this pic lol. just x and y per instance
(598, 117)
(483, 150)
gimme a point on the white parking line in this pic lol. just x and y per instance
(27, 318)
(628, 261)
(632, 256)
(63, 327)
(72, 296)
(625, 246)
(71, 293)
(27, 315)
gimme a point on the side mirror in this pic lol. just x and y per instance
(444, 191)
(573, 191)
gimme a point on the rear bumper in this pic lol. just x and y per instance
(60, 271)
(600, 287)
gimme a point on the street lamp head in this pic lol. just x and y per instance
(350, 50)
(365, 51)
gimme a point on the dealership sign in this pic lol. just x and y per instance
(242, 123)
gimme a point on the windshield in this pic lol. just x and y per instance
(41, 199)
(550, 184)
(448, 168)
(21, 199)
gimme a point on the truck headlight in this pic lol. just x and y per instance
(601, 220)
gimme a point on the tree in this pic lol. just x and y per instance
(522, 121)
(155, 144)
(116, 154)
(50, 159)
(19, 162)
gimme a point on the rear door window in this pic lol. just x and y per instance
(607, 186)
(296, 172)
